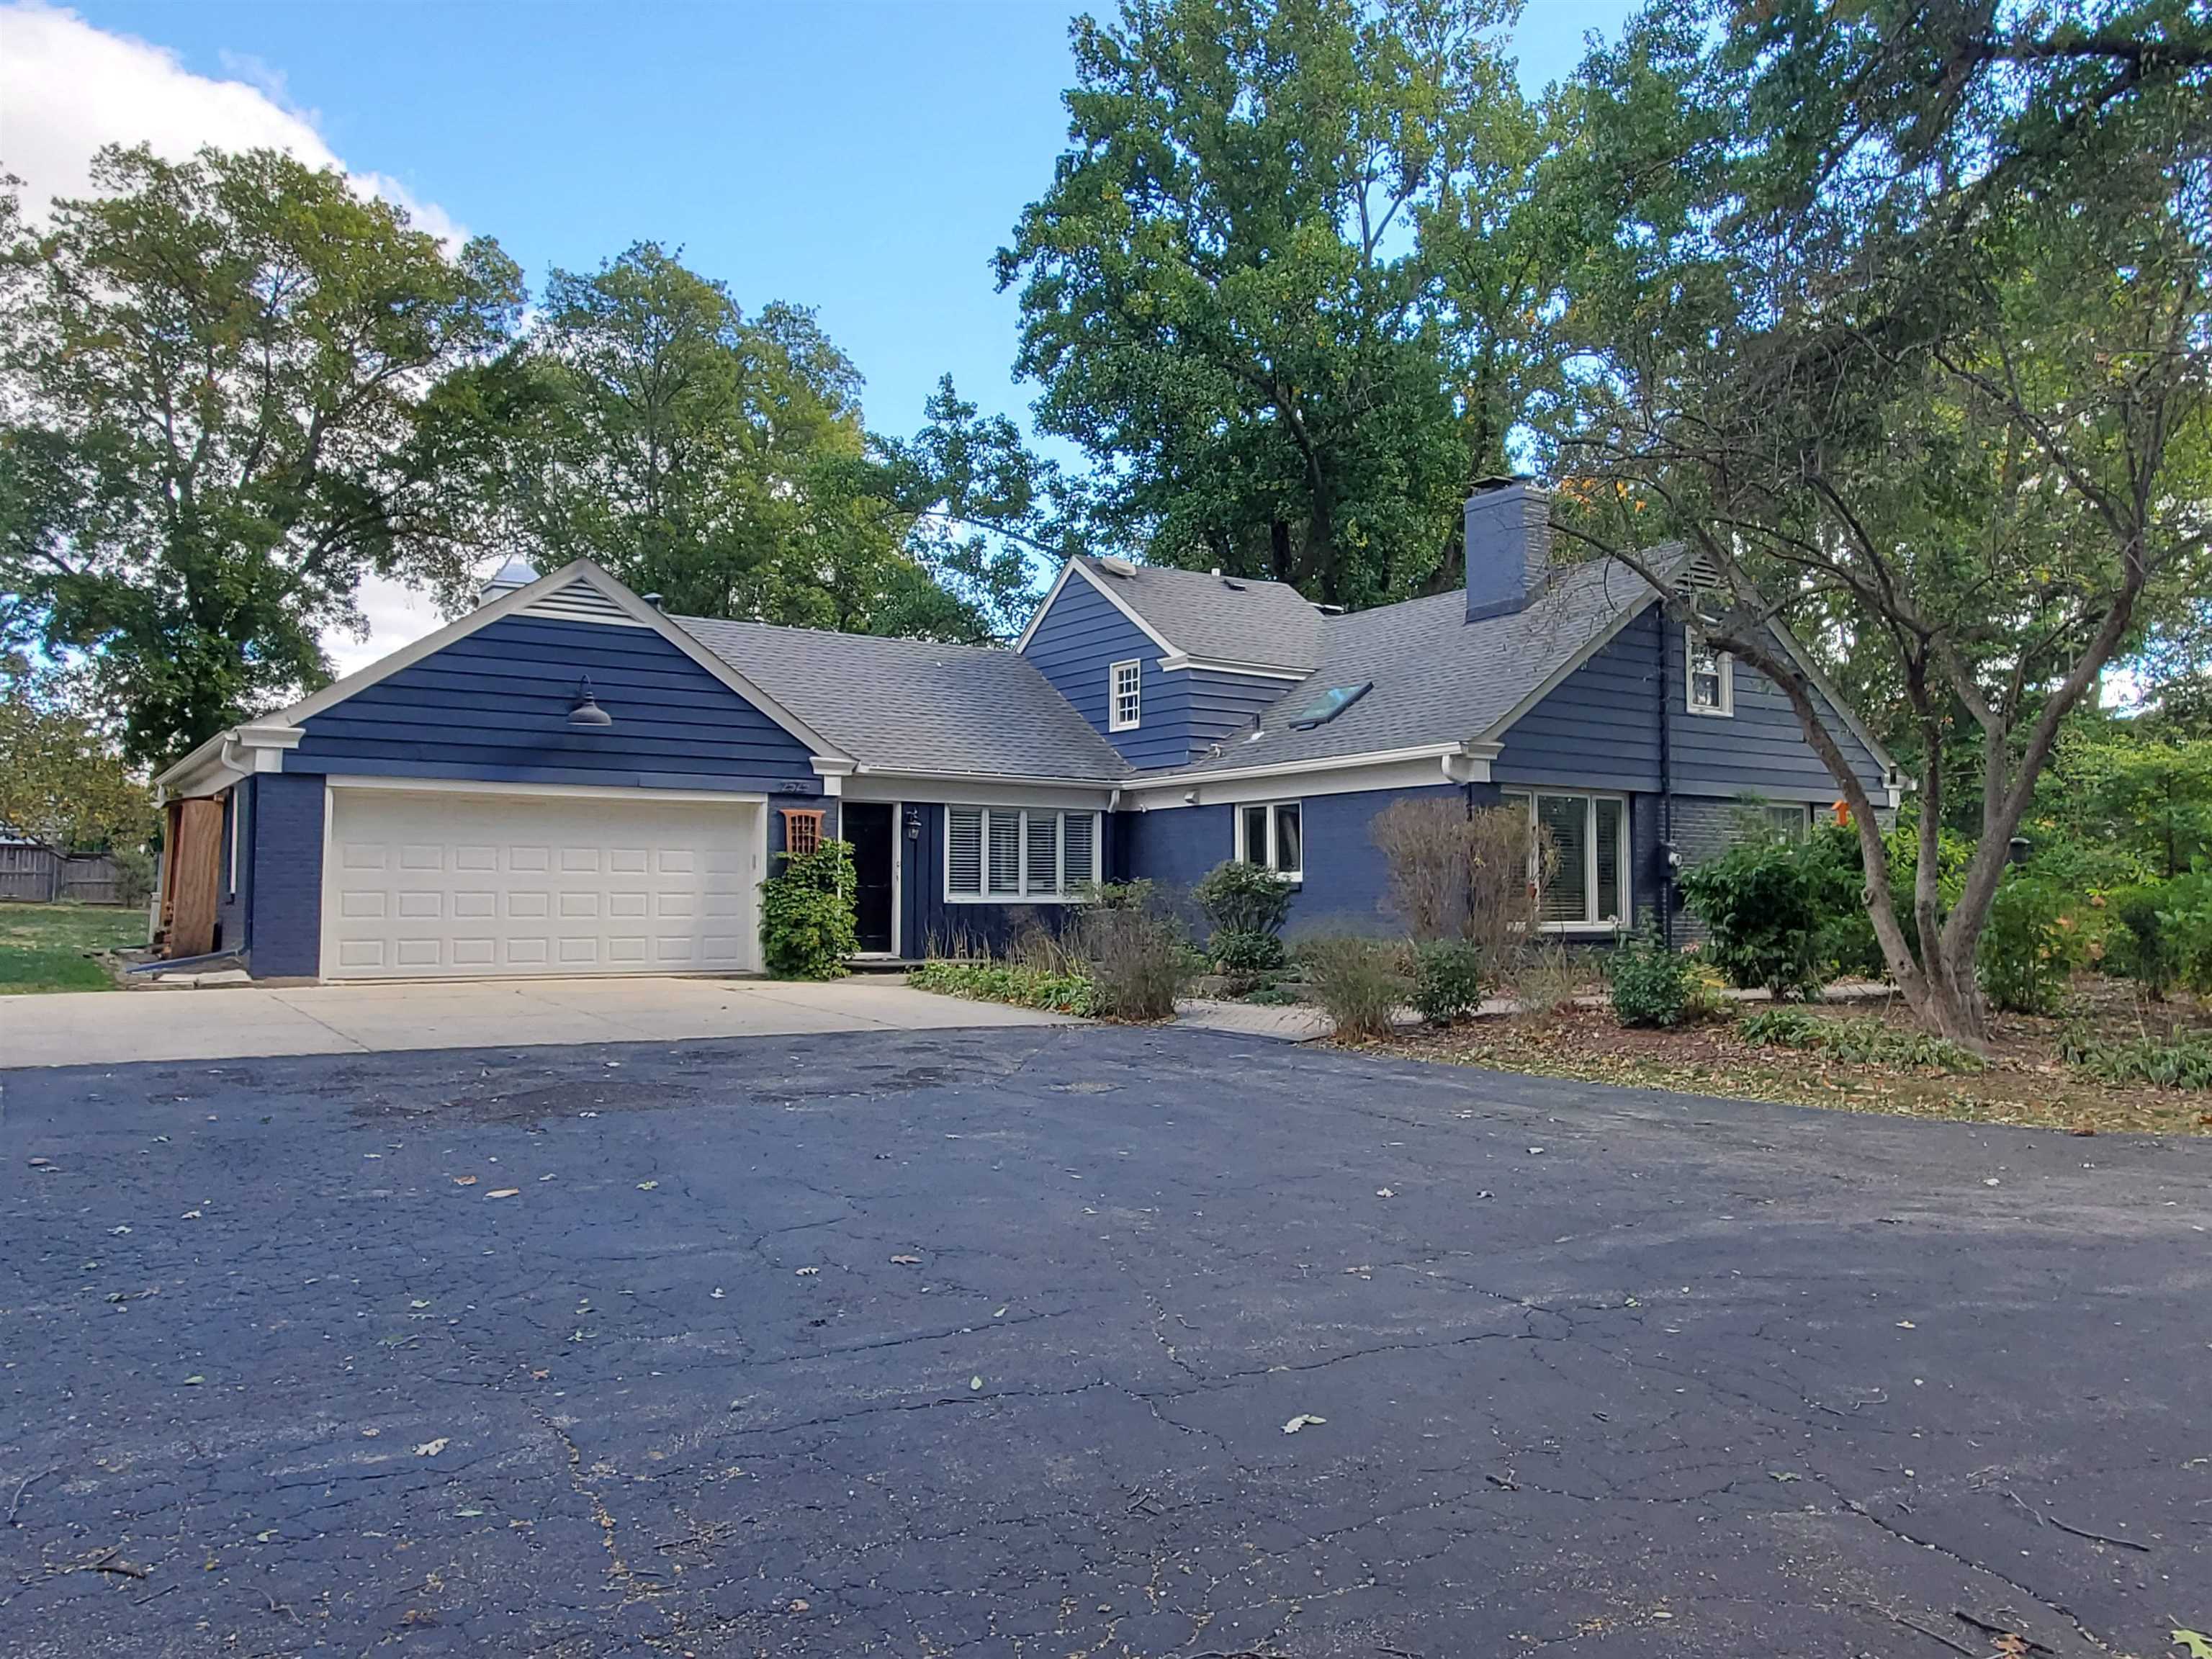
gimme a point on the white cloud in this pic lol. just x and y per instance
(66, 89)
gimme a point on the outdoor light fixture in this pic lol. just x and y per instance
(586, 710)
(2017, 850)
(913, 824)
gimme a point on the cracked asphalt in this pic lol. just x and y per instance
(985, 1342)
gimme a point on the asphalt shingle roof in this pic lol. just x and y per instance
(1437, 677)
(916, 705)
(1267, 624)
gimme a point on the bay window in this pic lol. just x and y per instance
(1579, 856)
(1019, 854)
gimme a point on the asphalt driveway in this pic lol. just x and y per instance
(987, 1342)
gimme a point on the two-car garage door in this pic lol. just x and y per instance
(430, 883)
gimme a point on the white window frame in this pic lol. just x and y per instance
(1725, 667)
(1271, 851)
(1062, 894)
(1133, 695)
(1799, 830)
(1592, 922)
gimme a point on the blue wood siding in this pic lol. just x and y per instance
(1599, 728)
(284, 889)
(1222, 704)
(494, 705)
(1079, 639)
(1343, 889)
(1760, 749)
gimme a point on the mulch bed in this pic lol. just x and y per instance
(2025, 1082)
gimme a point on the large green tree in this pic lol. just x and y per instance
(720, 461)
(1282, 288)
(63, 783)
(224, 404)
(1896, 313)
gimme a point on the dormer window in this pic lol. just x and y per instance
(1125, 695)
(1710, 676)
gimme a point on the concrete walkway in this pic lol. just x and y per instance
(241, 1021)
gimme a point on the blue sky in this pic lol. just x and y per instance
(865, 158)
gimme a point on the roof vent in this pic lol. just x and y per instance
(1231, 583)
(1114, 565)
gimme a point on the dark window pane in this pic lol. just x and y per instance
(1290, 841)
(1563, 820)
(1612, 819)
(1256, 833)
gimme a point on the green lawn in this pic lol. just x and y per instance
(42, 946)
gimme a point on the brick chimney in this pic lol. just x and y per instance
(1509, 545)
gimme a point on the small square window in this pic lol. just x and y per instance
(1125, 691)
(1272, 837)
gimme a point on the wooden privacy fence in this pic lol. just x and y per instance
(44, 877)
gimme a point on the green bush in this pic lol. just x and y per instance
(2185, 914)
(806, 914)
(1855, 1042)
(1848, 937)
(1767, 907)
(1135, 953)
(993, 981)
(2028, 948)
(134, 876)
(1244, 900)
(1358, 983)
(1451, 979)
(1242, 954)
(1652, 985)
(2141, 947)
(2181, 1063)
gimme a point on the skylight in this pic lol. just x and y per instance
(1328, 704)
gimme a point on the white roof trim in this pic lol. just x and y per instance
(1177, 660)
(1045, 604)
(521, 599)
(1590, 648)
(1151, 780)
(1118, 602)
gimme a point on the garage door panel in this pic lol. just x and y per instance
(438, 882)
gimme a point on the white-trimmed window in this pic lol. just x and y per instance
(1790, 823)
(1588, 837)
(1272, 835)
(1125, 695)
(1708, 676)
(1019, 854)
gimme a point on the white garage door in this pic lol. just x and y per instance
(437, 883)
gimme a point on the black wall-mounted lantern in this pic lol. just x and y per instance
(2017, 850)
(586, 710)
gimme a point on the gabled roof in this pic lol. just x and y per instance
(914, 706)
(1230, 620)
(1439, 679)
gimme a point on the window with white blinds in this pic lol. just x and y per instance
(1008, 854)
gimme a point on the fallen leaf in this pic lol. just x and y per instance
(503, 1192)
(2199, 1644)
(1906, 1325)
(716, 1292)
(464, 1181)
(974, 1384)
(431, 1448)
(798, 1605)
(1384, 1191)
(906, 1262)
(370, 1434)
(1782, 1475)
(194, 1381)
(1303, 1420)
(806, 1272)
(647, 1185)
